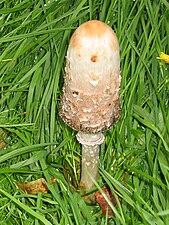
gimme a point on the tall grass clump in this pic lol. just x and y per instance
(34, 35)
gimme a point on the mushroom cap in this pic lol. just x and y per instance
(90, 101)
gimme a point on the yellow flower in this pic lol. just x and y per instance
(164, 57)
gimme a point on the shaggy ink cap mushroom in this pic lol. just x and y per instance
(90, 101)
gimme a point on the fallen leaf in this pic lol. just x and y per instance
(3, 135)
(34, 187)
(103, 203)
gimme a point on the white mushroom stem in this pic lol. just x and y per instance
(90, 158)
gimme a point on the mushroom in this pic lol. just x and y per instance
(90, 102)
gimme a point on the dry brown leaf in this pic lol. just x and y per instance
(2, 136)
(34, 187)
(103, 203)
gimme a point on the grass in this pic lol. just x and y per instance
(134, 158)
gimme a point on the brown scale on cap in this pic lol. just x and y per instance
(94, 58)
(90, 101)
